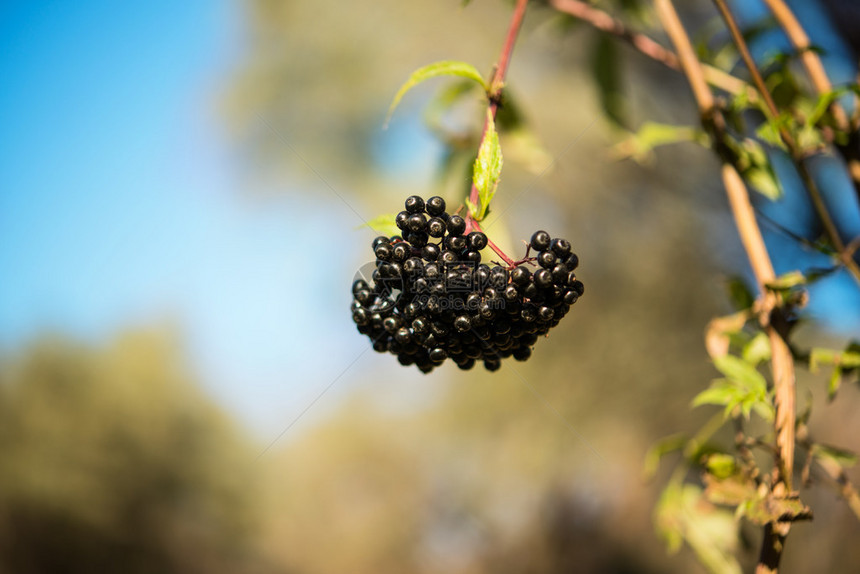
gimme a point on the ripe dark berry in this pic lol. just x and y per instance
(416, 222)
(561, 247)
(456, 225)
(438, 355)
(430, 252)
(547, 259)
(383, 252)
(577, 287)
(436, 227)
(540, 240)
(477, 241)
(543, 278)
(456, 243)
(462, 323)
(572, 262)
(414, 204)
(379, 241)
(520, 276)
(435, 205)
(472, 257)
(400, 252)
(400, 219)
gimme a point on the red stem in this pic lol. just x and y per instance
(475, 226)
(494, 93)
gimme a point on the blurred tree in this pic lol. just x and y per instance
(114, 461)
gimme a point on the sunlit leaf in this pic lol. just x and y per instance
(844, 458)
(444, 68)
(741, 372)
(384, 225)
(757, 350)
(488, 167)
(640, 146)
(684, 515)
(660, 449)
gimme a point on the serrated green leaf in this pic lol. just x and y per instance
(764, 510)
(383, 224)
(721, 393)
(849, 360)
(683, 515)
(488, 167)
(741, 372)
(823, 103)
(769, 132)
(740, 294)
(757, 350)
(721, 465)
(834, 383)
(819, 356)
(660, 449)
(640, 145)
(764, 181)
(844, 458)
(434, 70)
(787, 281)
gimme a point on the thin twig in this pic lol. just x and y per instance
(797, 154)
(846, 489)
(647, 46)
(782, 364)
(810, 60)
(821, 83)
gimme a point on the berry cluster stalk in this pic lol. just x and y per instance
(494, 96)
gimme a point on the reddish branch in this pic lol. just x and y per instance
(494, 95)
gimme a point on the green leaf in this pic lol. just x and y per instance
(383, 224)
(834, 383)
(721, 465)
(763, 510)
(787, 281)
(741, 372)
(757, 350)
(721, 393)
(764, 181)
(488, 167)
(844, 458)
(684, 515)
(819, 356)
(741, 295)
(444, 68)
(640, 146)
(605, 67)
(769, 132)
(660, 449)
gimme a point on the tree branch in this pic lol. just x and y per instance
(797, 154)
(782, 364)
(647, 46)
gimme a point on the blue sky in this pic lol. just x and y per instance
(122, 205)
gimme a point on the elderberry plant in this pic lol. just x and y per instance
(430, 298)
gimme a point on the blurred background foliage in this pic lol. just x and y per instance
(115, 459)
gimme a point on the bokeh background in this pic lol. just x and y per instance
(182, 193)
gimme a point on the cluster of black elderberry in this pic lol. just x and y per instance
(430, 298)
